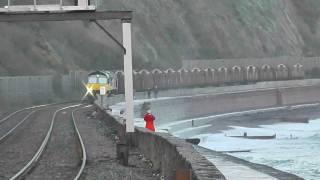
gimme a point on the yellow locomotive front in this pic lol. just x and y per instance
(98, 80)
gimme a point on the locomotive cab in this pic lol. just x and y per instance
(99, 79)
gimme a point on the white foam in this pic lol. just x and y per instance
(294, 150)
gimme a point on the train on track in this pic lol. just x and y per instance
(98, 80)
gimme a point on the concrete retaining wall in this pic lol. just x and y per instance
(168, 153)
(192, 107)
(300, 95)
(28, 90)
(230, 102)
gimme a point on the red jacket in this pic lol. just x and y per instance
(149, 118)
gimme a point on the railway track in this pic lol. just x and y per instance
(34, 161)
(14, 120)
(21, 110)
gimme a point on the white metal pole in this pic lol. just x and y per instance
(126, 29)
(35, 4)
(83, 3)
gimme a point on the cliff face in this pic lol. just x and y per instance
(164, 33)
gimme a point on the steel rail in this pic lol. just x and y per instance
(84, 154)
(16, 126)
(24, 119)
(36, 157)
(16, 112)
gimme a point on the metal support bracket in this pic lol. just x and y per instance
(111, 36)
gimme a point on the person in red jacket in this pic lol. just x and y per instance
(149, 118)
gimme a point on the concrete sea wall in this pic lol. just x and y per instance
(192, 107)
(168, 154)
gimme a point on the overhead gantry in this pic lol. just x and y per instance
(79, 5)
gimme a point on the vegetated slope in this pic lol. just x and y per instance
(164, 33)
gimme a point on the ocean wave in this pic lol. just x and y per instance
(315, 136)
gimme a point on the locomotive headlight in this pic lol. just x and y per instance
(89, 90)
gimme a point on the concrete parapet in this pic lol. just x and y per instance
(168, 153)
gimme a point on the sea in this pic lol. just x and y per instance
(295, 149)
